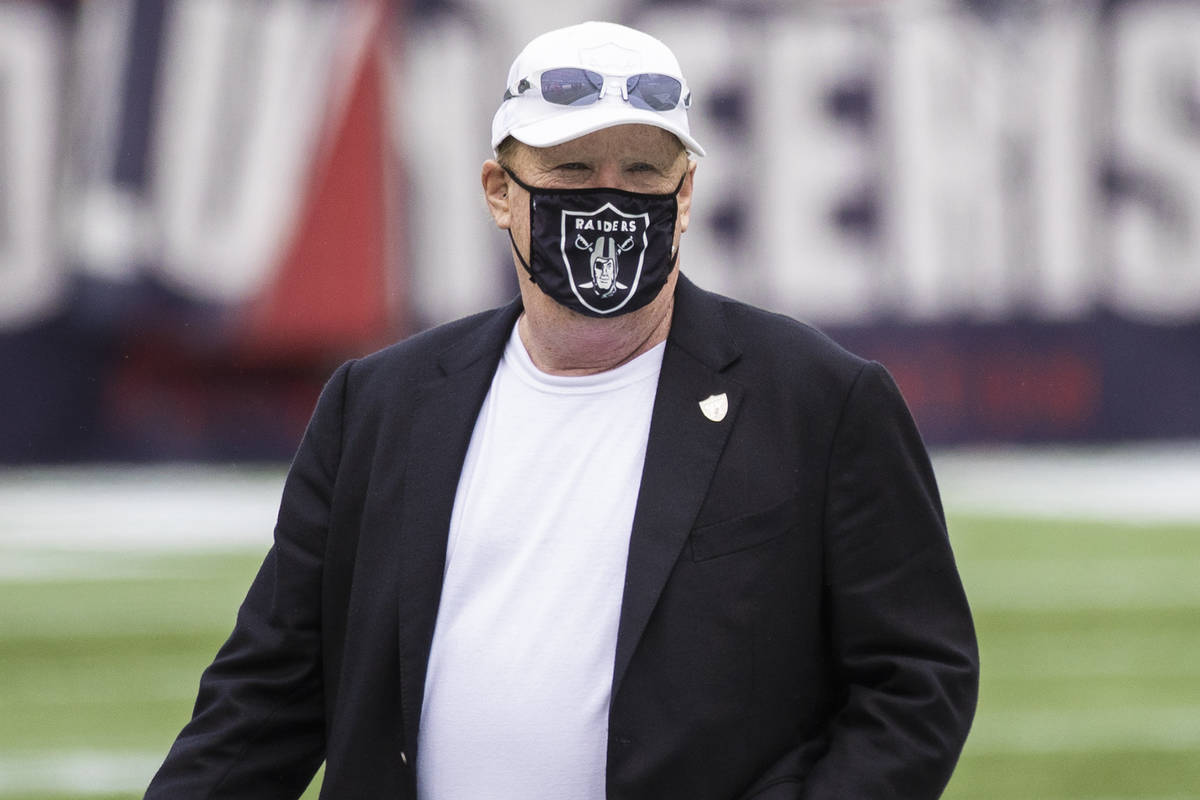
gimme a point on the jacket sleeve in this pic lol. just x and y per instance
(903, 643)
(257, 730)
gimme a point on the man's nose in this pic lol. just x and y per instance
(609, 176)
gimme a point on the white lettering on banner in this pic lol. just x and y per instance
(1156, 228)
(977, 165)
(32, 47)
(248, 86)
(1041, 216)
(814, 163)
(1056, 212)
(977, 160)
(108, 225)
(454, 245)
(944, 220)
(990, 195)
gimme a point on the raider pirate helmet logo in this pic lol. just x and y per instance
(603, 251)
(604, 267)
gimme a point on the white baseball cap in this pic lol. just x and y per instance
(601, 74)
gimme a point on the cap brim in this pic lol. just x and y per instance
(563, 127)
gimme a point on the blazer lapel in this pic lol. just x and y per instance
(443, 420)
(681, 454)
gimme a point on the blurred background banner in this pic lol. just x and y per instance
(205, 205)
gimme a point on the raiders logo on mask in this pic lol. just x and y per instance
(601, 252)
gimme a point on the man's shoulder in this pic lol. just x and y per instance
(417, 359)
(426, 347)
(773, 327)
(776, 340)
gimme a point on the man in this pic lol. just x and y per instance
(620, 538)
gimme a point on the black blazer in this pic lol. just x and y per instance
(792, 626)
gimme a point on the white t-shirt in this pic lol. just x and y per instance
(520, 671)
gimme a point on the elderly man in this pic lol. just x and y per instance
(621, 538)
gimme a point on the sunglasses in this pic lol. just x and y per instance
(575, 86)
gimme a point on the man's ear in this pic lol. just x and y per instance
(684, 199)
(495, 191)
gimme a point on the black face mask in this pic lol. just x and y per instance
(601, 252)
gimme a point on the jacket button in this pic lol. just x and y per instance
(404, 758)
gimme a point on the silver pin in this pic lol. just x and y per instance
(715, 406)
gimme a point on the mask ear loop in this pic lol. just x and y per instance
(529, 190)
(679, 185)
(521, 258)
(525, 185)
(675, 195)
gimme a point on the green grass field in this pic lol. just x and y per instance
(1090, 638)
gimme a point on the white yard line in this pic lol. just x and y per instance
(122, 508)
(1136, 727)
(1001, 732)
(80, 772)
(1135, 483)
(203, 508)
(1088, 582)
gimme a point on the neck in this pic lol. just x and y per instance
(562, 342)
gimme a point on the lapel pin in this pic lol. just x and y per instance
(715, 406)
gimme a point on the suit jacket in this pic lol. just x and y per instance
(792, 624)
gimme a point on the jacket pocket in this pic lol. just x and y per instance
(744, 532)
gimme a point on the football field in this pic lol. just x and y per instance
(1083, 570)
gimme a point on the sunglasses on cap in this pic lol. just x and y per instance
(575, 86)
